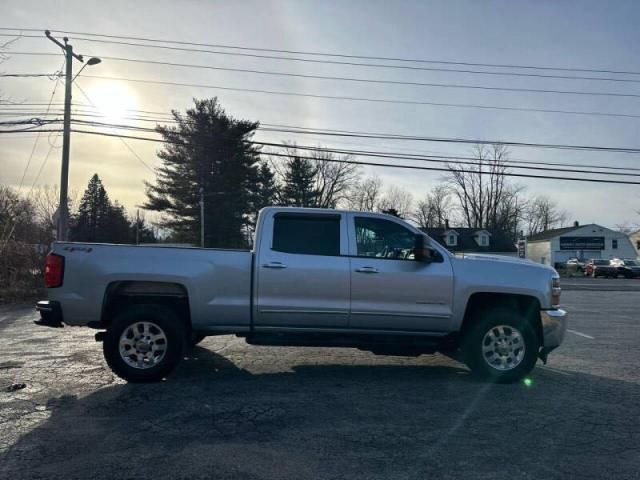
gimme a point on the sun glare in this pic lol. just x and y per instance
(113, 101)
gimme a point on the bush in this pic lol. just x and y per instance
(21, 271)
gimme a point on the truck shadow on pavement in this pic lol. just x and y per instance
(215, 420)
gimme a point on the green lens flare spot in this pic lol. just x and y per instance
(528, 382)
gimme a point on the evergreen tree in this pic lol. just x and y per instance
(207, 149)
(265, 189)
(299, 183)
(90, 223)
(117, 225)
(141, 232)
(99, 220)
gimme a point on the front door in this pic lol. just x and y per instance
(302, 272)
(390, 290)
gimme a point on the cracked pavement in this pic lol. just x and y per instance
(234, 411)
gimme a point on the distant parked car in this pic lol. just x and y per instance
(575, 263)
(627, 268)
(600, 268)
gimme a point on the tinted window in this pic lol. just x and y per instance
(310, 235)
(383, 239)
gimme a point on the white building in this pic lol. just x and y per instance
(580, 241)
(634, 237)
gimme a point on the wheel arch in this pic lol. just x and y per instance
(526, 305)
(120, 295)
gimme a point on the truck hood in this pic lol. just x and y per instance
(494, 273)
(482, 257)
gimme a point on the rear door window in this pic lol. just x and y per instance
(307, 234)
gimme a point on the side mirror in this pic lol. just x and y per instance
(422, 251)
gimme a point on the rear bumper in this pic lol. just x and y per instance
(50, 314)
(554, 326)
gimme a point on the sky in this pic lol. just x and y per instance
(573, 34)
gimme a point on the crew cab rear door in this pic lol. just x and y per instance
(302, 271)
(390, 290)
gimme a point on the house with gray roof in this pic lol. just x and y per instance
(461, 240)
(556, 246)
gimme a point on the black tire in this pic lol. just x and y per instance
(472, 345)
(196, 338)
(166, 321)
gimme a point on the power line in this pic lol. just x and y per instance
(28, 75)
(386, 136)
(442, 156)
(380, 154)
(329, 54)
(421, 154)
(332, 62)
(361, 80)
(437, 104)
(376, 81)
(359, 99)
(387, 165)
(35, 143)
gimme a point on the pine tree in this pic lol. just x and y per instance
(265, 189)
(99, 220)
(90, 223)
(141, 232)
(117, 225)
(298, 188)
(207, 149)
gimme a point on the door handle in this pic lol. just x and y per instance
(367, 270)
(274, 265)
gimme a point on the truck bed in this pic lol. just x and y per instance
(218, 281)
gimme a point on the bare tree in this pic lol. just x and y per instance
(334, 179)
(325, 177)
(365, 195)
(542, 214)
(397, 202)
(46, 202)
(485, 198)
(4, 56)
(434, 209)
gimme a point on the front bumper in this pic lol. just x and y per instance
(50, 314)
(554, 326)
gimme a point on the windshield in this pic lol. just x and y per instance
(601, 262)
(631, 263)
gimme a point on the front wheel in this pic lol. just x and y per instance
(144, 343)
(501, 346)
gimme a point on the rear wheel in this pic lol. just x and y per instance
(501, 346)
(144, 343)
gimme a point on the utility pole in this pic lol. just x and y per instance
(63, 207)
(137, 226)
(201, 217)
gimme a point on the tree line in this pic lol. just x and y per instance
(209, 155)
(210, 150)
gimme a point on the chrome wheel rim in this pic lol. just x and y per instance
(503, 347)
(143, 345)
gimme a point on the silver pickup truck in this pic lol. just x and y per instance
(316, 277)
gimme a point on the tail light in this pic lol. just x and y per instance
(53, 270)
(555, 292)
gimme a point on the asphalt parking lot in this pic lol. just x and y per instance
(240, 412)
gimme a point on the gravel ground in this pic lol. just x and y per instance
(241, 412)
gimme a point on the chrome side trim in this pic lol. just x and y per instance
(280, 328)
(396, 314)
(314, 312)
